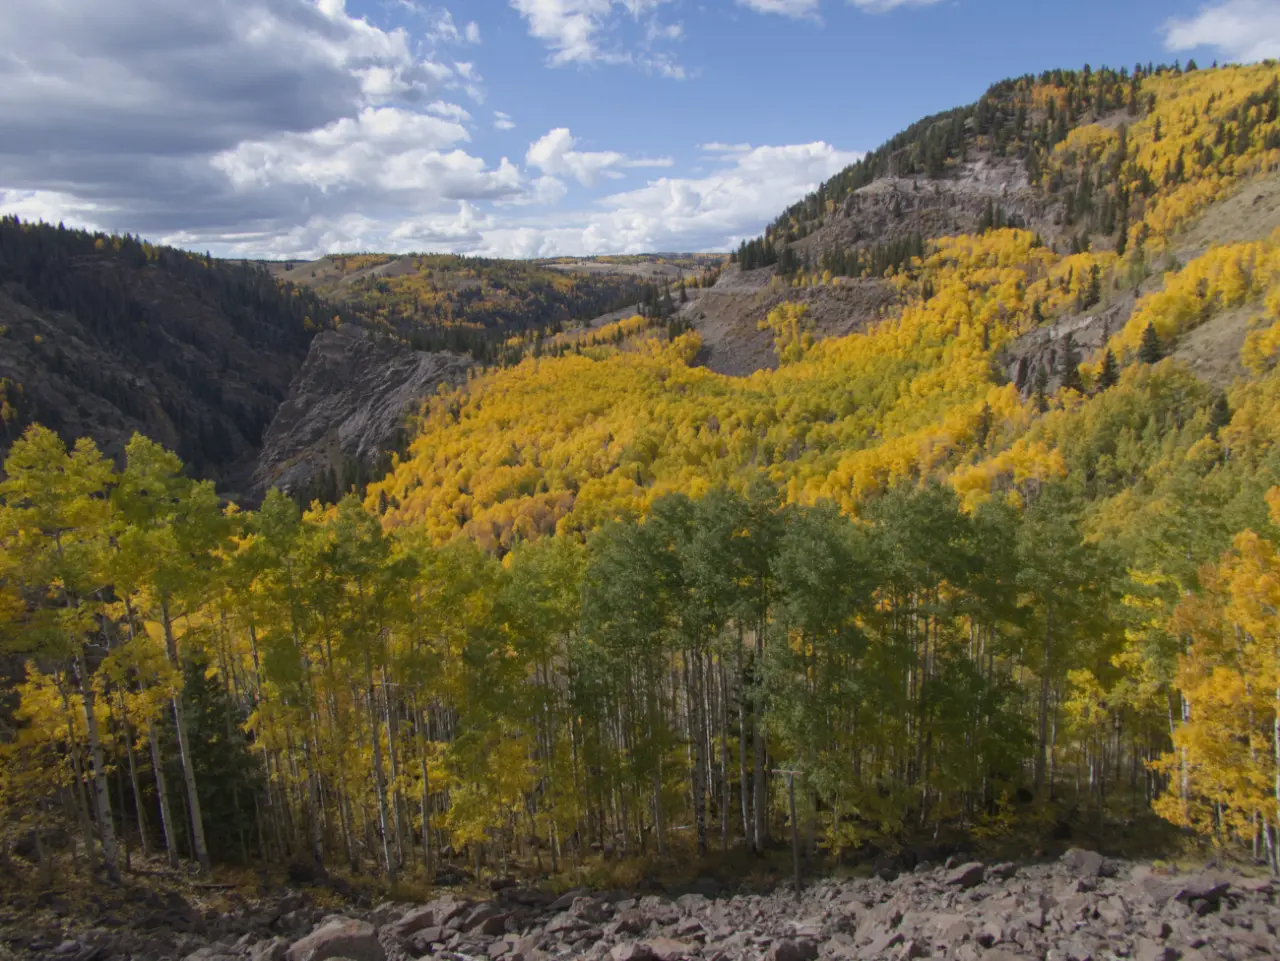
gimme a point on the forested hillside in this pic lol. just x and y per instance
(104, 336)
(476, 305)
(607, 595)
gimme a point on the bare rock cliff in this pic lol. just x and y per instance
(348, 403)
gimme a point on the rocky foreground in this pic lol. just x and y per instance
(1080, 908)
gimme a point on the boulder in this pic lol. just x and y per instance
(666, 949)
(414, 921)
(273, 950)
(339, 938)
(1202, 888)
(1082, 863)
(1146, 950)
(967, 875)
(591, 910)
(794, 950)
(632, 951)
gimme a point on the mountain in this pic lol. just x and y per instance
(473, 304)
(945, 518)
(104, 336)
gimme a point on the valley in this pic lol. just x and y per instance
(927, 544)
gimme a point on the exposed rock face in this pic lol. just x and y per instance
(728, 315)
(349, 402)
(1046, 346)
(893, 208)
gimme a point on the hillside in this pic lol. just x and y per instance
(108, 336)
(973, 546)
(473, 305)
(104, 336)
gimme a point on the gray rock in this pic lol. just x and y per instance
(1082, 863)
(794, 950)
(339, 938)
(967, 875)
(632, 951)
(1146, 950)
(348, 401)
(591, 910)
(667, 949)
(273, 950)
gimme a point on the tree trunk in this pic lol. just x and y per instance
(724, 758)
(102, 801)
(761, 826)
(162, 793)
(137, 789)
(1042, 740)
(743, 782)
(380, 779)
(198, 844)
(425, 799)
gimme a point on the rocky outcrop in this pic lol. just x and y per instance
(348, 404)
(1047, 346)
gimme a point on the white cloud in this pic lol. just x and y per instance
(290, 128)
(787, 8)
(582, 31)
(555, 154)
(449, 111)
(441, 27)
(1240, 30)
(230, 122)
(707, 213)
(884, 6)
(716, 147)
(386, 150)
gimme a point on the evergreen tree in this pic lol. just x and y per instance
(1041, 388)
(1093, 294)
(1108, 373)
(1150, 351)
(1219, 415)
(1069, 366)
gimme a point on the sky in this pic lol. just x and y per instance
(511, 128)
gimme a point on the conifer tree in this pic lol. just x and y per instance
(1150, 351)
(1108, 373)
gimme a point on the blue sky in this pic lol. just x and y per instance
(292, 128)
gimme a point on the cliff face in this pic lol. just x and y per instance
(348, 405)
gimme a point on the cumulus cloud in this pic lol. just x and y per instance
(787, 8)
(291, 128)
(714, 212)
(586, 31)
(1239, 30)
(555, 154)
(884, 6)
(231, 117)
(442, 29)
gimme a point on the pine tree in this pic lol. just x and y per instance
(1093, 294)
(1151, 351)
(1109, 373)
(1041, 389)
(1219, 414)
(1069, 369)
